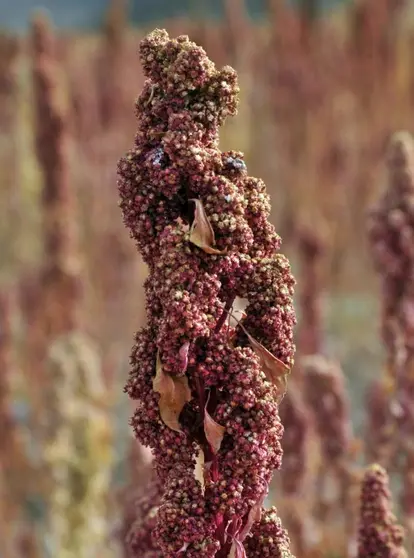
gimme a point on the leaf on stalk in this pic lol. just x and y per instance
(183, 355)
(214, 431)
(240, 304)
(199, 469)
(275, 370)
(174, 394)
(237, 550)
(201, 232)
(238, 311)
(183, 548)
(255, 514)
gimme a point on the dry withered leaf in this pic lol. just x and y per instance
(255, 515)
(174, 394)
(201, 232)
(237, 550)
(183, 548)
(199, 469)
(214, 431)
(151, 95)
(275, 370)
(183, 355)
(237, 311)
(273, 367)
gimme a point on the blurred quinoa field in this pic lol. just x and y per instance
(325, 109)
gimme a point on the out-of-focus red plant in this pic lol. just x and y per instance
(325, 393)
(391, 232)
(378, 533)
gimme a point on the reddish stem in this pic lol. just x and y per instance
(224, 314)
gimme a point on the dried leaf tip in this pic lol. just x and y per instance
(237, 550)
(201, 232)
(214, 431)
(174, 394)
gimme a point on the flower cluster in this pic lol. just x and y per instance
(269, 538)
(378, 534)
(77, 441)
(14, 470)
(296, 419)
(326, 395)
(391, 232)
(380, 440)
(60, 281)
(312, 248)
(51, 141)
(139, 539)
(294, 474)
(207, 379)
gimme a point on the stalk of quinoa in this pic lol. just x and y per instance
(312, 251)
(379, 437)
(294, 474)
(326, 395)
(207, 388)
(391, 233)
(378, 533)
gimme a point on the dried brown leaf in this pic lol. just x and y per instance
(237, 550)
(183, 548)
(255, 515)
(201, 232)
(183, 355)
(214, 431)
(174, 394)
(273, 367)
(237, 312)
(275, 370)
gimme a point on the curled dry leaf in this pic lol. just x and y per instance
(240, 304)
(174, 394)
(214, 431)
(237, 550)
(183, 548)
(183, 355)
(255, 515)
(275, 370)
(199, 469)
(238, 311)
(201, 232)
(151, 95)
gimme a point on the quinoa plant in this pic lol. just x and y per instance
(295, 471)
(296, 419)
(378, 532)
(71, 400)
(10, 440)
(391, 233)
(141, 522)
(207, 382)
(111, 91)
(10, 51)
(77, 448)
(379, 438)
(312, 248)
(326, 396)
(60, 282)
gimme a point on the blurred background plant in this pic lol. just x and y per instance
(323, 87)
